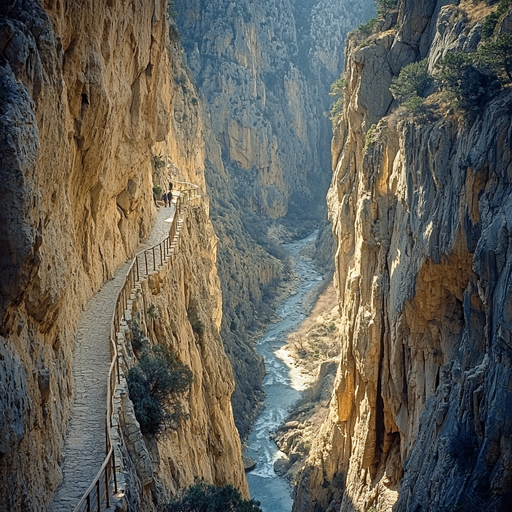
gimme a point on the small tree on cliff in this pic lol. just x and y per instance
(412, 85)
(384, 6)
(464, 82)
(154, 385)
(338, 88)
(496, 55)
(414, 79)
(492, 20)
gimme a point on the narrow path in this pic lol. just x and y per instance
(84, 447)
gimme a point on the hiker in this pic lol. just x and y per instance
(169, 194)
(164, 199)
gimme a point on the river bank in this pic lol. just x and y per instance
(290, 373)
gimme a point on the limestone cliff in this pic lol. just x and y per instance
(90, 93)
(265, 69)
(421, 410)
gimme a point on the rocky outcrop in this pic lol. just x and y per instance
(90, 93)
(420, 414)
(265, 69)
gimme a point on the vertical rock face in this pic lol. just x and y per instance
(89, 93)
(421, 415)
(265, 69)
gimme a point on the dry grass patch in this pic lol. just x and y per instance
(476, 11)
(317, 338)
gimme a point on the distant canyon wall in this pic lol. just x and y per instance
(89, 94)
(421, 413)
(264, 69)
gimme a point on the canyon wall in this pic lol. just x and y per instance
(90, 94)
(264, 69)
(421, 413)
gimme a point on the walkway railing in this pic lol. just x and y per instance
(97, 497)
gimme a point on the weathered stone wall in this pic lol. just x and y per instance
(421, 410)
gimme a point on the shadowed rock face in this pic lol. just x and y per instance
(421, 415)
(265, 70)
(64, 114)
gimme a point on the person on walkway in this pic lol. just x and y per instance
(164, 198)
(169, 194)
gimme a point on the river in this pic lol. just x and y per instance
(282, 386)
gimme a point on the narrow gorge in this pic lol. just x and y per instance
(183, 182)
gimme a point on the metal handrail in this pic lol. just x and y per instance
(96, 486)
(192, 185)
(133, 276)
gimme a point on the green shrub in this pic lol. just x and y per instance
(336, 109)
(383, 6)
(491, 21)
(152, 311)
(470, 79)
(158, 162)
(209, 498)
(496, 56)
(414, 79)
(369, 136)
(338, 88)
(138, 340)
(367, 29)
(153, 385)
(416, 105)
(157, 191)
(464, 83)
(489, 25)
(171, 9)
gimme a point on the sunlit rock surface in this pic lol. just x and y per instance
(421, 414)
(89, 93)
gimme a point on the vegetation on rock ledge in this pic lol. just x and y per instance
(412, 85)
(491, 21)
(468, 80)
(471, 79)
(153, 385)
(337, 89)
